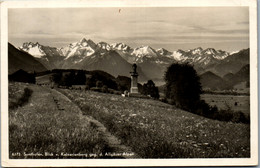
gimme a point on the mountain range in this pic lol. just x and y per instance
(117, 58)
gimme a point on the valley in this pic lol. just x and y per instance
(233, 102)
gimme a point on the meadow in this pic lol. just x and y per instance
(18, 95)
(154, 129)
(50, 126)
(233, 102)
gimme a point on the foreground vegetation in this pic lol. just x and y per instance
(49, 126)
(157, 130)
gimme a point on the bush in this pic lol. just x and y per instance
(99, 84)
(110, 91)
(87, 87)
(149, 88)
(117, 92)
(56, 78)
(104, 89)
(239, 117)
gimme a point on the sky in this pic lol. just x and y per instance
(173, 28)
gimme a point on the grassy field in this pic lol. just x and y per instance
(50, 126)
(15, 93)
(157, 130)
(236, 103)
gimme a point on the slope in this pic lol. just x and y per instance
(21, 60)
(232, 63)
(110, 62)
(242, 76)
(212, 81)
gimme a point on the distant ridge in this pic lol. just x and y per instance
(209, 80)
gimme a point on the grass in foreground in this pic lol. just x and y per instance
(157, 130)
(39, 130)
(18, 94)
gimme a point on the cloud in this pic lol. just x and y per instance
(40, 32)
(243, 23)
(145, 21)
(219, 30)
(146, 26)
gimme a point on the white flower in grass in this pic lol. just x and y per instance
(133, 115)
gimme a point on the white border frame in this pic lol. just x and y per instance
(253, 160)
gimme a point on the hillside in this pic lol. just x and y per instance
(147, 127)
(212, 81)
(110, 62)
(21, 60)
(240, 79)
(232, 64)
(55, 125)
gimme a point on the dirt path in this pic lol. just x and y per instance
(119, 149)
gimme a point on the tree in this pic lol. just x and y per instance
(91, 82)
(68, 78)
(183, 86)
(103, 77)
(56, 78)
(149, 88)
(80, 78)
(99, 84)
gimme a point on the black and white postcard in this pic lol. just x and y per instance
(129, 83)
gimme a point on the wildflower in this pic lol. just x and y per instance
(195, 145)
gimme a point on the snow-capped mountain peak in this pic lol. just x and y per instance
(197, 51)
(234, 52)
(163, 52)
(144, 51)
(210, 51)
(82, 48)
(38, 51)
(104, 46)
(83, 40)
(34, 49)
(177, 55)
(87, 48)
(121, 47)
